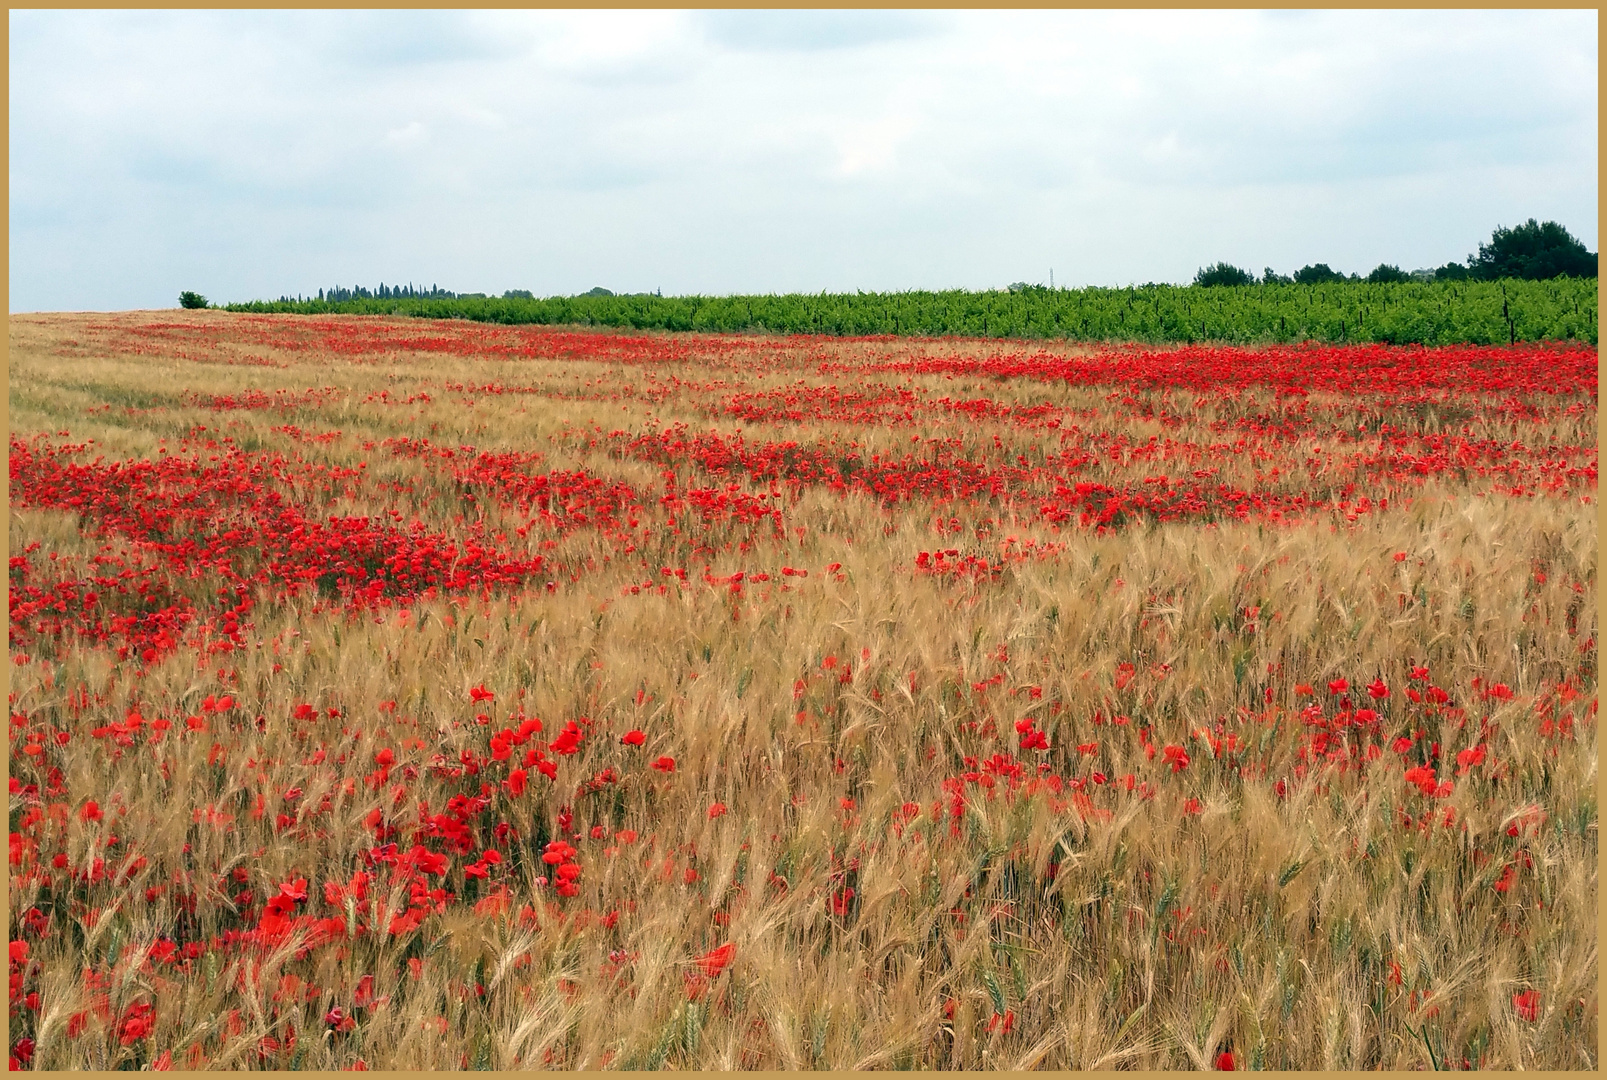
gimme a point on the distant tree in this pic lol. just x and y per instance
(1534, 252)
(1316, 275)
(1451, 271)
(188, 299)
(518, 294)
(1384, 273)
(1269, 276)
(598, 291)
(1223, 274)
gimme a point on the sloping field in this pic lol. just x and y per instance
(421, 694)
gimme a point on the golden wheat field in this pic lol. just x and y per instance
(430, 695)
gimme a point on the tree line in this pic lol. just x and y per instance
(1528, 252)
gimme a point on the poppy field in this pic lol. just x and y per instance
(412, 694)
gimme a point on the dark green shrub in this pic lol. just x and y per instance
(1452, 271)
(1534, 252)
(1384, 274)
(188, 299)
(1316, 275)
(1223, 274)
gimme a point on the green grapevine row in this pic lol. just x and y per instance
(1428, 313)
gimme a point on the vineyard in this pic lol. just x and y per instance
(1423, 313)
(442, 693)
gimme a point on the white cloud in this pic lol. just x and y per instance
(254, 153)
(401, 136)
(872, 145)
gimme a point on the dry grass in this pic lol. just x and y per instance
(1307, 929)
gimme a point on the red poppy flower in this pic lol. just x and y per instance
(557, 852)
(568, 740)
(1224, 1061)
(717, 960)
(633, 738)
(665, 764)
(1423, 777)
(138, 1022)
(427, 861)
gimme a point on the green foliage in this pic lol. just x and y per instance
(1317, 275)
(1269, 276)
(1345, 310)
(1223, 274)
(1532, 252)
(188, 299)
(1451, 271)
(1384, 273)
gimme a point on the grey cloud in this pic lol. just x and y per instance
(396, 39)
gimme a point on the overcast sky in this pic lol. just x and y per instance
(250, 154)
